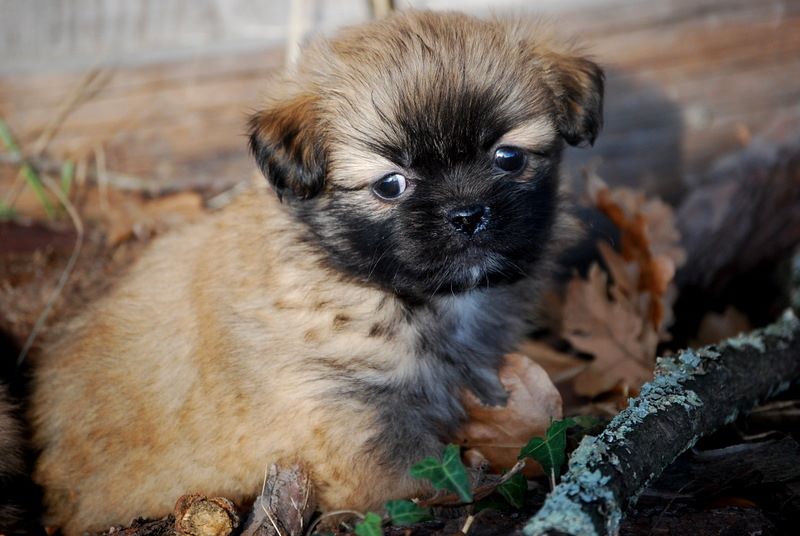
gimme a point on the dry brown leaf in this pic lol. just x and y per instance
(621, 323)
(497, 433)
(612, 329)
(649, 238)
(124, 216)
(623, 273)
(649, 220)
(716, 327)
(558, 365)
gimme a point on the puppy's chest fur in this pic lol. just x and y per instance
(451, 344)
(407, 364)
(455, 343)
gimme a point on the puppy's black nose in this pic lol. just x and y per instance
(469, 220)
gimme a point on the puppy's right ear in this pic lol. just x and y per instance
(578, 92)
(287, 144)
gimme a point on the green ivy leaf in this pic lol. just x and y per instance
(549, 452)
(370, 526)
(513, 490)
(7, 212)
(492, 502)
(449, 473)
(406, 512)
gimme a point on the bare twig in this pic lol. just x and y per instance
(64, 277)
(225, 197)
(683, 402)
(89, 85)
(381, 8)
(102, 176)
(263, 506)
(326, 515)
(297, 30)
(119, 181)
(467, 524)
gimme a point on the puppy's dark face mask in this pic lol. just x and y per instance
(422, 152)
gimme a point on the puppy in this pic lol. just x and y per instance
(334, 318)
(12, 467)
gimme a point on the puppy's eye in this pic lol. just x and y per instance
(509, 159)
(391, 186)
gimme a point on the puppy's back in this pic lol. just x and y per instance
(207, 362)
(12, 468)
(119, 391)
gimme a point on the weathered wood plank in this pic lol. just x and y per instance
(687, 81)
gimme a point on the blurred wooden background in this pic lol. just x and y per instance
(688, 80)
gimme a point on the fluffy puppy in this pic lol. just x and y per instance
(415, 160)
(12, 466)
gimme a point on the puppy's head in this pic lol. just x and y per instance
(422, 151)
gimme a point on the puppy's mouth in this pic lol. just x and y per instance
(475, 267)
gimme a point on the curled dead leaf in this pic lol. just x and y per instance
(716, 327)
(620, 322)
(497, 433)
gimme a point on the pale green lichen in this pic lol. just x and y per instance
(777, 389)
(743, 340)
(562, 514)
(687, 362)
(584, 486)
(708, 353)
(795, 292)
(784, 328)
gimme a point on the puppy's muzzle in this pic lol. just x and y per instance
(469, 220)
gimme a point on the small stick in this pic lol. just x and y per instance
(608, 472)
(64, 277)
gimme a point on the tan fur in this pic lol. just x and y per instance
(215, 301)
(12, 465)
(10, 438)
(211, 359)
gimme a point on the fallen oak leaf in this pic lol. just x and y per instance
(647, 285)
(623, 273)
(716, 327)
(649, 224)
(649, 238)
(497, 433)
(612, 330)
(559, 366)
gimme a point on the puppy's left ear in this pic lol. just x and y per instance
(578, 92)
(286, 141)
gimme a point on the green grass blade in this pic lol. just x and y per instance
(67, 174)
(28, 173)
(35, 183)
(8, 139)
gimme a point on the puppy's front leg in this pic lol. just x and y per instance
(359, 463)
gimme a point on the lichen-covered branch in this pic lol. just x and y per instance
(693, 393)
